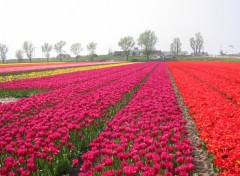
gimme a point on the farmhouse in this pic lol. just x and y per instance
(63, 56)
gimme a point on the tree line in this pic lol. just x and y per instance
(147, 40)
(28, 49)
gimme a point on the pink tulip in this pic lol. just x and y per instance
(75, 162)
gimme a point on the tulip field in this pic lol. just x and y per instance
(211, 90)
(116, 119)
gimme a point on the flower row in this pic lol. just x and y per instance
(44, 143)
(7, 68)
(217, 117)
(36, 74)
(146, 137)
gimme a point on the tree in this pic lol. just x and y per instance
(110, 52)
(19, 55)
(148, 40)
(197, 44)
(193, 45)
(28, 48)
(3, 52)
(46, 49)
(58, 47)
(126, 43)
(175, 46)
(76, 48)
(91, 47)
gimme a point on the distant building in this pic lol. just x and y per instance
(203, 54)
(183, 53)
(155, 53)
(168, 53)
(118, 53)
(200, 54)
(136, 52)
(63, 56)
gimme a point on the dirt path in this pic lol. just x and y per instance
(204, 166)
(7, 100)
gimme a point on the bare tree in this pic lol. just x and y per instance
(76, 48)
(193, 45)
(172, 49)
(110, 52)
(148, 40)
(46, 49)
(19, 55)
(58, 47)
(126, 43)
(91, 47)
(28, 48)
(3, 52)
(197, 44)
(175, 46)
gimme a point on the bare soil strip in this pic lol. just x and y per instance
(7, 100)
(203, 164)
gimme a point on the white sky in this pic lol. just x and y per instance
(106, 21)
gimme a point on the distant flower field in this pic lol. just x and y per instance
(55, 69)
(19, 67)
(29, 64)
(119, 119)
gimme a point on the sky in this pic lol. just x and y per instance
(106, 21)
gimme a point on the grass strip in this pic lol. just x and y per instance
(7, 93)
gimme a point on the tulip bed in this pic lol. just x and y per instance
(4, 77)
(211, 90)
(66, 79)
(88, 81)
(42, 134)
(7, 68)
(147, 137)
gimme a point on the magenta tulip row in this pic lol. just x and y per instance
(147, 137)
(38, 133)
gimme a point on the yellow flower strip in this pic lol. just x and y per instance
(35, 74)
